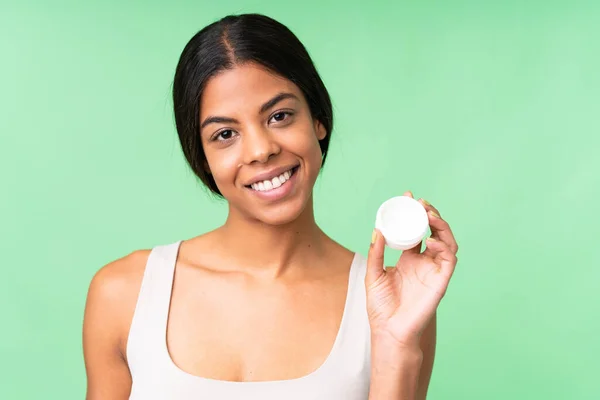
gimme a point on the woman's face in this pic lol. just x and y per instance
(261, 143)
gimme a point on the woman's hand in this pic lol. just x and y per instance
(402, 300)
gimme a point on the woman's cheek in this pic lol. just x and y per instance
(223, 165)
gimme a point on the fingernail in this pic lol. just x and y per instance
(373, 236)
(426, 202)
(434, 214)
(411, 193)
(430, 239)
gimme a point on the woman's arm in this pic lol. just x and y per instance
(108, 312)
(402, 374)
(428, 341)
(395, 373)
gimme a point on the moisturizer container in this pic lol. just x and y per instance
(402, 221)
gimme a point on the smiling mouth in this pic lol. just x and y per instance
(270, 184)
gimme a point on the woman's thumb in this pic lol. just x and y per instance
(375, 258)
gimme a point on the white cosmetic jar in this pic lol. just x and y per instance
(402, 221)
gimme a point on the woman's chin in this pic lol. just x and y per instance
(283, 214)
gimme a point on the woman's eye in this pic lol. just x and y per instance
(280, 116)
(224, 135)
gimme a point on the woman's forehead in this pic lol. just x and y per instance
(244, 86)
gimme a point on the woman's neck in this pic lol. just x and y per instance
(274, 249)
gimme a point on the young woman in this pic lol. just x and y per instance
(267, 306)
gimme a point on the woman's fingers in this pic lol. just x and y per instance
(440, 229)
(441, 253)
(375, 258)
(428, 206)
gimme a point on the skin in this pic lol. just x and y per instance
(284, 279)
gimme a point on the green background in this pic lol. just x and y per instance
(487, 109)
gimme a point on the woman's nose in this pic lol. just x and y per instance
(259, 146)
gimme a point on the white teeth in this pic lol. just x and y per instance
(272, 183)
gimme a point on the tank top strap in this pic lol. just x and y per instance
(147, 333)
(356, 334)
(351, 350)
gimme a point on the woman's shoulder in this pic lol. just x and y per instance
(113, 293)
(115, 279)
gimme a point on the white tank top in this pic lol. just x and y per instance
(345, 374)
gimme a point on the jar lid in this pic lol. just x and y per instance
(402, 220)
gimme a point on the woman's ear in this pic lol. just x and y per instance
(320, 130)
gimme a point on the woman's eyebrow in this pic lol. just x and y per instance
(218, 120)
(277, 99)
(265, 107)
